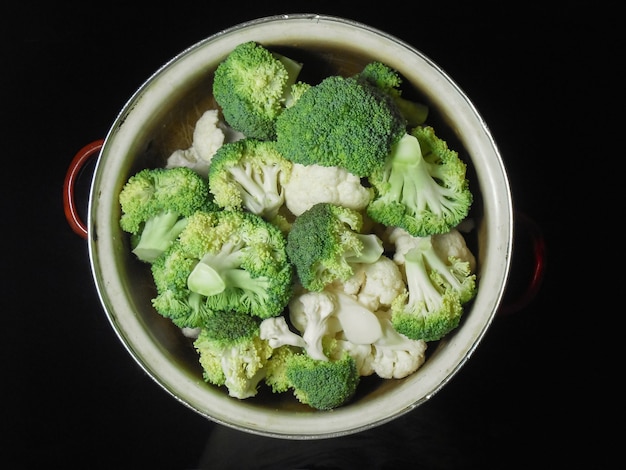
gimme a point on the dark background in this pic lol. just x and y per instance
(71, 394)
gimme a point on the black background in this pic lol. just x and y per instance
(71, 394)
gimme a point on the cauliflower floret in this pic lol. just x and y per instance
(391, 356)
(395, 355)
(363, 355)
(311, 313)
(319, 315)
(374, 285)
(310, 184)
(209, 134)
(453, 244)
(276, 332)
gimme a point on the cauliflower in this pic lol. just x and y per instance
(333, 322)
(310, 184)
(276, 332)
(391, 356)
(395, 355)
(375, 285)
(209, 134)
(321, 315)
(311, 313)
(453, 244)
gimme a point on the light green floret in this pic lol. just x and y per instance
(232, 354)
(325, 241)
(252, 85)
(438, 286)
(155, 203)
(221, 262)
(250, 174)
(423, 187)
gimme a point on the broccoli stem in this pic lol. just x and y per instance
(372, 249)
(215, 273)
(158, 234)
(419, 191)
(260, 191)
(419, 284)
(293, 72)
(205, 280)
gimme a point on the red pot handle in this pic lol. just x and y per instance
(69, 204)
(533, 231)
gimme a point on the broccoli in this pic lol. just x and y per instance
(341, 122)
(438, 286)
(390, 81)
(249, 174)
(155, 203)
(324, 242)
(252, 85)
(275, 370)
(320, 384)
(232, 353)
(422, 187)
(223, 261)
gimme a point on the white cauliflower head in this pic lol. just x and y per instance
(311, 314)
(395, 355)
(453, 244)
(276, 332)
(207, 135)
(375, 285)
(310, 184)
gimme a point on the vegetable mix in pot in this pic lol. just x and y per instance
(311, 233)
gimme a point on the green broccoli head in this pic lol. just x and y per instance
(389, 81)
(423, 186)
(249, 174)
(325, 241)
(221, 262)
(232, 353)
(382, 76)
(155, 203)
(437, 289)
(276, 368)
(342, 122)
(251, 86)
(323, 385)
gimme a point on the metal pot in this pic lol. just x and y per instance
(158, 119)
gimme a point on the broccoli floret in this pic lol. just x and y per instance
(325, 241)
(252, 86)
(343, 122)
(276, 370)
(249, 174)
(422, 187)
(232, 353)
(390, 81)
(223, 261)
(155, 203)
(323, 385)
(437, 288)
